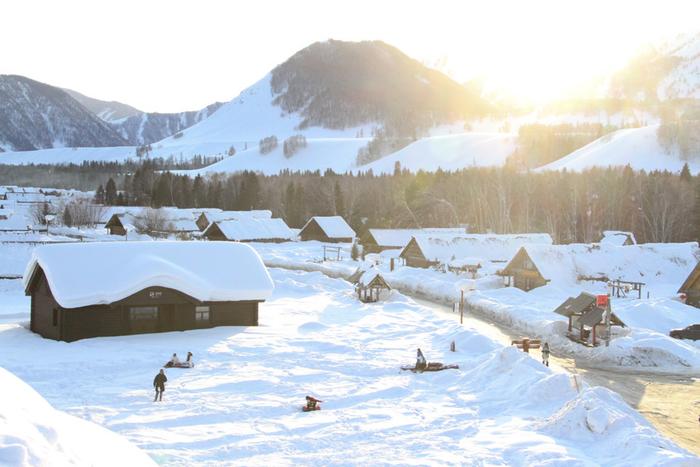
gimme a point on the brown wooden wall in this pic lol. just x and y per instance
(176, 312)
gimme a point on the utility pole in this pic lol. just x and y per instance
(461, 308)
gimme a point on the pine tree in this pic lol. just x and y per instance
(67, 217)
(685, 173)
(100, 195)
(110, 192)
(339, 200)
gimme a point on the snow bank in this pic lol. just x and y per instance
(101, 273)
(32, 433)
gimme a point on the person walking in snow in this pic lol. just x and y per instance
(545, 354)
(159, 384)
(421, 362)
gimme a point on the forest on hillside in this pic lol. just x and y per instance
(572, 207)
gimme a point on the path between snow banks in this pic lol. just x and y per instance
(529, 313)
(240, 404)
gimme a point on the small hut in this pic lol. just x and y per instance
(585, 318)
(378, 240)
(330, 229)
(522, 272)
(370, 286)
(691, 287)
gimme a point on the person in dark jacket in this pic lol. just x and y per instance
(159, 384)
(545, 354)
(421, 362)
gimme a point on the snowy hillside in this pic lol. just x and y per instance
(109, 111)
(33, 433)
(636, 147)
(34, 115)
(683, 80)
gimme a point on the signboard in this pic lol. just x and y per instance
(601, 301)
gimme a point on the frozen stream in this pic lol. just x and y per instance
(670, 402)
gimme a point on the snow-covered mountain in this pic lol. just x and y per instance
(109, 111)
(137, 127)
(34, 115)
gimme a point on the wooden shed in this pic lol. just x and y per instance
(209, 216)
(250, 230)
(329, 229)
(370, 285)
(85, 290)
(378, 240)
(522, 272)
(691, 287)
(586, 320)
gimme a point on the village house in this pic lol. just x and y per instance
(329, 229)
(161, 221)
(691, 287)
(475, 250)
(378, 240)
(117, 288)
(250, 229)
(210, 216)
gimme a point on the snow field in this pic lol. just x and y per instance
(240, 404)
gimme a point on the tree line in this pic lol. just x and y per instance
(572, 207)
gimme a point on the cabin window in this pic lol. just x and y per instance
(54, 317)
(138, 313)
(201, 314)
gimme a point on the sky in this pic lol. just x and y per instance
(175, 55)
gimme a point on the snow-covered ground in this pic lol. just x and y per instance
(644, 344)
(241, 402)
(32, 433)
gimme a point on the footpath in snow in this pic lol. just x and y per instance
(241, 403)
(643, 344)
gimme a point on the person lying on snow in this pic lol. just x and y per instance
(312, 404)
(174, 361)
(159, 384)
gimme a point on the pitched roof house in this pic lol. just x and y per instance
(327, 229)
(82, 290)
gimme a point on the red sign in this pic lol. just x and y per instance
(601, 301)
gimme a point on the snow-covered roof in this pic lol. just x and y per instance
(648, 263)
(617, 238)
(230, 215)
(333, 226)
(82, 274)
(247, 229)
(488, 247)
(399, 238)
(174, 219)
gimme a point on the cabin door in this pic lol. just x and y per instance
(143, 319)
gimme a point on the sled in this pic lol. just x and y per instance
(432, 366)
(179, 365)
(305, 408)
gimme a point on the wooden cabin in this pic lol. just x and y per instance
(414, 256)
(522, 272)
(586, 320)
(691, 287)
(370, 286)
(159, 222)
(250, 230)
(115, 225)
(84, 290)
(329, 229)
